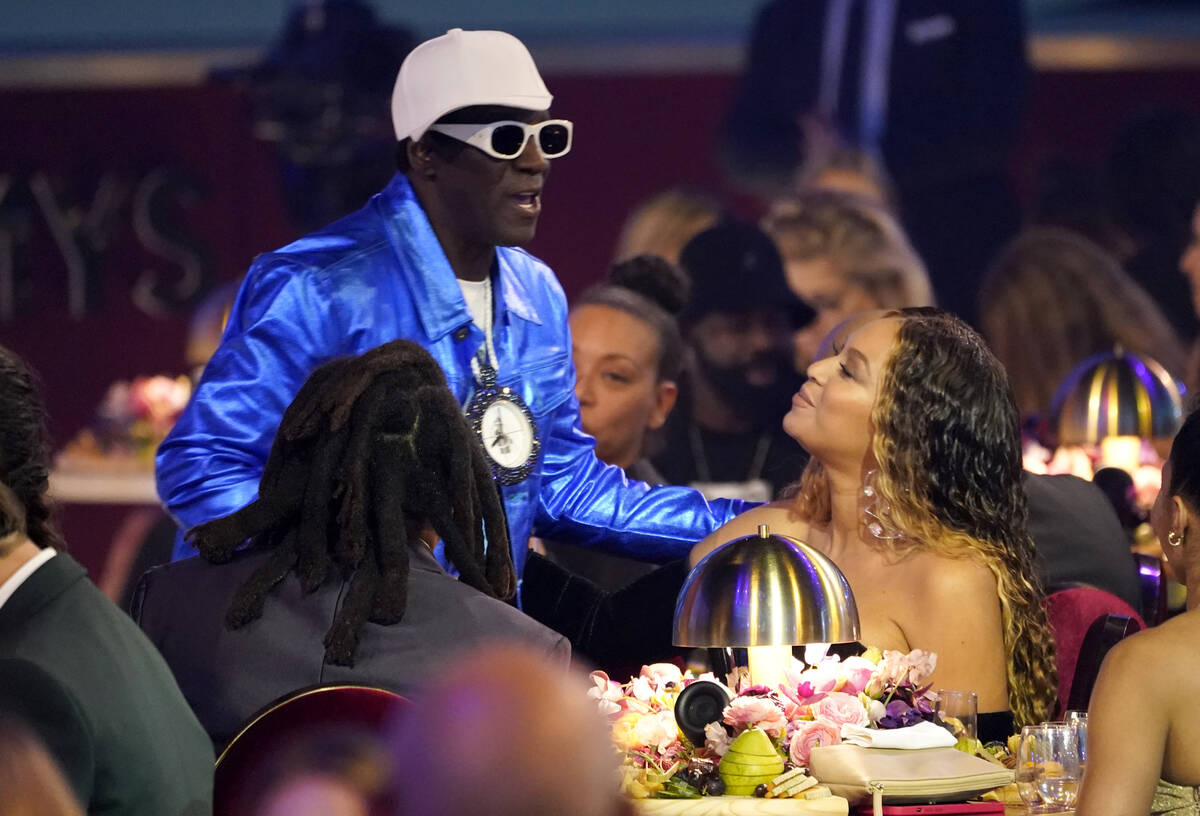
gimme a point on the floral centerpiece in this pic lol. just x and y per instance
(810, 707)
(130, 422)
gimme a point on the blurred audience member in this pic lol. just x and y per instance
(72, 665)
(841, 167)
(1142, 732)
(501, 733)
(628, 354)
(339, 772)
(843, 254)
(320, 95)
(1079, 537)
(935, 88)
(664, 223)
(31, 784)
(1154, 179)
(726, 438)
(373, 463)
(1051, 299)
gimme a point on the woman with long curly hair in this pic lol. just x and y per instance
(914, 490)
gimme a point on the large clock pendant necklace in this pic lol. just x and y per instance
(501, 419)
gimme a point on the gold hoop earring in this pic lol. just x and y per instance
(1174, 538)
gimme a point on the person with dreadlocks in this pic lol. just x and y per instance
(432, 259)
(372, 463)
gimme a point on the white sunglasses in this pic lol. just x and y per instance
(506, 139)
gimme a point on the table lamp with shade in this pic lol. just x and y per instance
(766, 592)
(1116, 399)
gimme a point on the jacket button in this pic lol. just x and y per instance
(461, 334)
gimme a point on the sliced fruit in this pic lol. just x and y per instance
(751, 765)
(753, 741)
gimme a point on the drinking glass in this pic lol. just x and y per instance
(1057, 755)
(1029, 749)
(1079, 719)
(962, 706)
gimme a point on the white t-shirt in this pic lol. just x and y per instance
(478, 295)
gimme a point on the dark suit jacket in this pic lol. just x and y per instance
(78, 671)
(228, 675)
(1078, 537)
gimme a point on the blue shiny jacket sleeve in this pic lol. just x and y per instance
(280, 328)
(586, 502)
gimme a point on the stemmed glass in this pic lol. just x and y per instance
(1079, 719)
(1058, 782)
(1048, 766)
(1029, 748)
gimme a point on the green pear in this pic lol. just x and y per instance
(750, 761)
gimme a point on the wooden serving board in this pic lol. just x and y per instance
(741, 806)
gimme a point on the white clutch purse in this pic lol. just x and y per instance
(904, 776)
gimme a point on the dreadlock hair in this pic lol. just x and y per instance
(25, 449)
(947, 447)
(371, 448)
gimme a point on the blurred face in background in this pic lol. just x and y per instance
(830, 295)
(616, 380)
(1189, 264)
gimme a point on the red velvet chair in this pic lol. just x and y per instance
(246, 763)
(1086, 623)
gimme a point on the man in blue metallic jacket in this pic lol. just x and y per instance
(431, 259)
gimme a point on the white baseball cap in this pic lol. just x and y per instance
(460, 69)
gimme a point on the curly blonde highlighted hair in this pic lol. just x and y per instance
(947, 447)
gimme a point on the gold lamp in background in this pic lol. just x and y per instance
(1116, 399)
(767, 593)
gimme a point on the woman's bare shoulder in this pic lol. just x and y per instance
(779, 517)
(1173, 641)
(945, 581)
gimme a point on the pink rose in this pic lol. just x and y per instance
(809, 735)
(838, 708)
(744, 712)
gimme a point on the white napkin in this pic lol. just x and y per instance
(922, 735)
